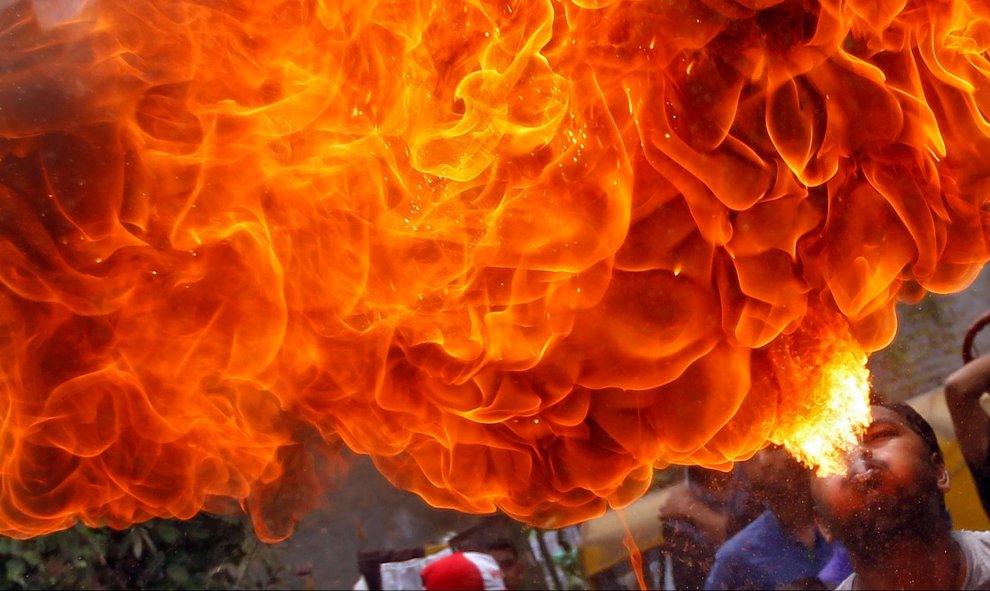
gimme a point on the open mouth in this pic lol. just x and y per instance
(868, 478)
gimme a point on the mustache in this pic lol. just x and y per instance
(863, 472)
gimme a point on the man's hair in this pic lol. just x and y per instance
(916, 422)
(502, 544)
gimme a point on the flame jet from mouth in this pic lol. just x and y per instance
(520, 253)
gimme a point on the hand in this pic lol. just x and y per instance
(678, 502)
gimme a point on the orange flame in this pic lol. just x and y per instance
(823, 363)
(635, 556)
(519, 253)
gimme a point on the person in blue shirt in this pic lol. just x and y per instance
(697, 515)
(783, 545)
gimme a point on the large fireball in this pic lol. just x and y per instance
(518, 252)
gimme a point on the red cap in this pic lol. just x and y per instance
(463, 571)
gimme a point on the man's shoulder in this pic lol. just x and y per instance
(758, 533)
(976, 549)
(738, 561)
(978, 541)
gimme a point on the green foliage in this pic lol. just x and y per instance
(207, 552)
(568, 562)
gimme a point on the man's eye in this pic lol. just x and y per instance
(879, 434)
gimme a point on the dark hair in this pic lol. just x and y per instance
(502, 544)
(916, 422)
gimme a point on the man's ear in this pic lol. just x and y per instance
(822, 527)
(941, 473)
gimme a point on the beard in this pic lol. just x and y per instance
(884, 516)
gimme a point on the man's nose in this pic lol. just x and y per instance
(858, 452)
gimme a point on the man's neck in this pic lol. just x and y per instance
(923, 562)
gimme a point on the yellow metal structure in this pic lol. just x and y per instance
(601, 538)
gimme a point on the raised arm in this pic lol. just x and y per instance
(680, 502)
(963, 390)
